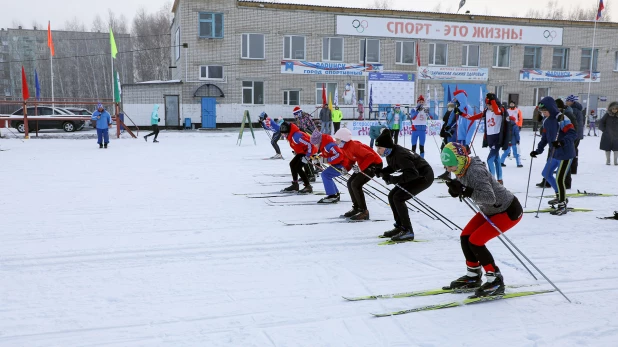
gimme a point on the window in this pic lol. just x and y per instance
(253, 93)
(586, 53)
(360, 92)
(332, 49)
(532, 57)
(539, 94)
(177, 44)
(291, 97)
(560, 60)
(470, 55)
(498, 91)
(210, 25)
(404, 52)
(211, 72)
(252, 46)
(438, 53)
(330, 90)
(502, 56)
(373, 51)
(616, 61)
(294, 47)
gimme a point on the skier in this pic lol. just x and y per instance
(366, 161)
(474, 181)
(418, 118)
(560, 134)
(409, 172)
(394, 120)
(103, 122)
(339, 164)
(517, 120)
(448, 131)
(154, 121)
(301, 145)
(569, 112)
(303, 120)
(571, 101)
(270, 125)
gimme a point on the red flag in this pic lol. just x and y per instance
(24, 85)
(418, 54)
(324, 102)
(50, 42)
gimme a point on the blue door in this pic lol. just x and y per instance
(209, 113)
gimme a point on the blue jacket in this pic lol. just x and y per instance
(465, 130)
(557, 127)
(270, 124)
(154, 117)
(103, 119)
(390, 119)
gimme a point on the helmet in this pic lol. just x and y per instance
(263, 115)
(455, 154)
(285, 128)
(344, 134)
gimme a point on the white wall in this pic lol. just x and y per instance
(140, 114)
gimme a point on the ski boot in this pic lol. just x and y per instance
(291, 189)
(560, 209)
(105, 145)
(330, 199)
(406, 234)
(308, 189)
(472, 279)
(362, 215)
(100, 145)
(155, 141)
(493, 286)
(555, 201)
(312, 178)
(544, 182)
(519, 165)
(393, 232)
(277, 156)
(352, 212)
(503, 164)
(146, 138)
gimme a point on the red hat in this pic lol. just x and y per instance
(397, 105)
(296, 109)
(420, 99)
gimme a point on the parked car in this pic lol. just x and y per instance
(82, 112)
(43, 112)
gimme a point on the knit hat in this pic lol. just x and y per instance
(420, 99)
(316, 138)
(344, 134)
(455, 154)
(99, 105)
(560, 104)
(571, 98)
(297, 109)
(385, 140)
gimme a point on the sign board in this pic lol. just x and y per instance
(533, 75)
(445, 73)
(327, 68)
(451, 31)
(390, 88)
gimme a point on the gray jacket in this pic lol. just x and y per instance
(490, 195)
(609, 126)
(325, 115)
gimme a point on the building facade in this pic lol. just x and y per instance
(270, 57)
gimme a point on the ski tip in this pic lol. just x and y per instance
(378, 315)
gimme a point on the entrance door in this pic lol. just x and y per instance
(172, 113)
(209, 113)
(514, 98)
(594, 102)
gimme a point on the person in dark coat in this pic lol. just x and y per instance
(609, 126)
(568, 111)
(326, 119)
(578, 111)
(406, 170)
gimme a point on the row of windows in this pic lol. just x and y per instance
(294, 47)
(253, 93)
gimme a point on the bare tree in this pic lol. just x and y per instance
(382, 4)
(117, 23)
(151, 43)
(438, 7)
(16, 23)
(36, 25)
(97, 25)
(74, 24)
(553, 10)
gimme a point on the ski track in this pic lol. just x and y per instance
(143, 245)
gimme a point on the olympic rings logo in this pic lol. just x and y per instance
(549, 35)
(360, 25)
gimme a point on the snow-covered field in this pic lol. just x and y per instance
(145, 244)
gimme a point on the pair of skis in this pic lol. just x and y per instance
(469, 301)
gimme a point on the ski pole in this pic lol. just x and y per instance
(530, 172)
(501, 240)
(551, 155)
(372, 195)
(518, 250)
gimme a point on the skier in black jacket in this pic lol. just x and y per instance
(406, 170)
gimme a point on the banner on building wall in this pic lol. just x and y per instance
(361, 128)
(531, 75)
(445, 73)
(391, 88)
(451, 31)
(325, 68)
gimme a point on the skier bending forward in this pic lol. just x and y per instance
(495, 201)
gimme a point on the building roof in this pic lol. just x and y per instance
(416, 14)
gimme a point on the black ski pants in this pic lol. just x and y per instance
(155, 131)
(296, 166)
(397, 197)
(395, 134)
(355, 187)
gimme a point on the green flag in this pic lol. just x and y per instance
(112, 42)
(117, 91)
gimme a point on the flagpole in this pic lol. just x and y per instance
(51, 63)
(594, 34)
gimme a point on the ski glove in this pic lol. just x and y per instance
(456, 189)
(557, 144)
(356, 169)
(533, 154)
(395, 177)
(386, 178)
(419, 108)
(343, 171)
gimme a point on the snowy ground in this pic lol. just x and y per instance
(144, 244)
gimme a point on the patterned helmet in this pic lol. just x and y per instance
(455, 154)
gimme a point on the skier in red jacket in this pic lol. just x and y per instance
(301, 145)
(339, 164)
(367, 161)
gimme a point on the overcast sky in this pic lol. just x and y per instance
(59, 11)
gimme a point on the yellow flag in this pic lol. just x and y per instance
(112, 42)
(330, 103)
